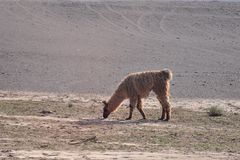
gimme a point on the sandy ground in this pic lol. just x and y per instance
(89, 46)
(51, 48)
(69, 126)
(116, 155)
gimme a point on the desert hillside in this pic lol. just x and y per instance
(89, 46)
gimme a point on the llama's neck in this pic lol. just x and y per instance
(115, 101)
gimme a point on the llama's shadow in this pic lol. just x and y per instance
(116, 122)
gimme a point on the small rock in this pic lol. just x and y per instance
(44, 146)
(10, 155)
(5, 150)
(46, 112)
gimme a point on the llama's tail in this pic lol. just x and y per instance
(167, 73)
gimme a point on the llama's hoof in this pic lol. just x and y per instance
(128, 118)
(161, 119)
(166, 119)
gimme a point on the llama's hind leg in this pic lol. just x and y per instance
(139, 107)
(166, 108)
(133, 103)
(163, 110)
(163, 113)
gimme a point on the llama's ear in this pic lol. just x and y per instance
(104, 102)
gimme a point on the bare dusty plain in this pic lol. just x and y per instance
(60, 58)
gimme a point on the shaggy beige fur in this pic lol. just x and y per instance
(138, 85)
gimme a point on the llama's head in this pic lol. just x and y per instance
(106, 111)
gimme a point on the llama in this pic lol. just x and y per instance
(137, 86)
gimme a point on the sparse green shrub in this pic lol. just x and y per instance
(215, 111)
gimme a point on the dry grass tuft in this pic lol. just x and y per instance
(215, 111)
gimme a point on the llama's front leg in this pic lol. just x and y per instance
(133, 102)
(139, 107)
(130, 113)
